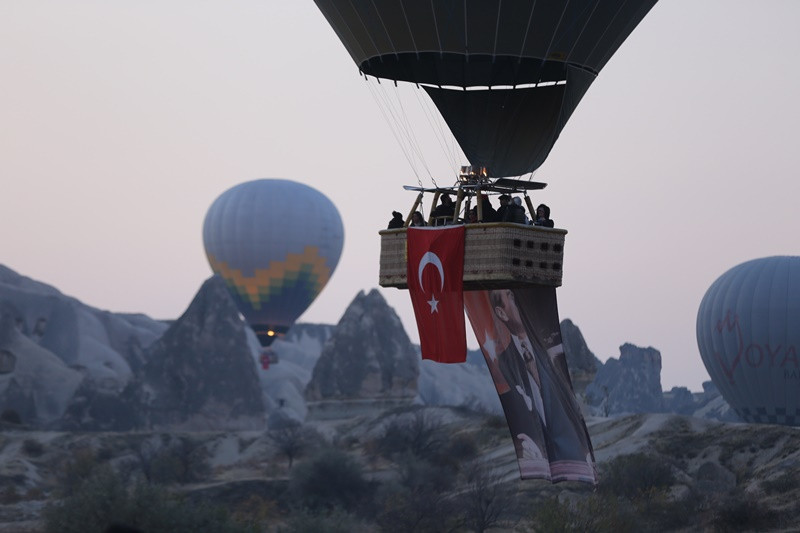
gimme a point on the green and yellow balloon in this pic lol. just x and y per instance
(276, 244)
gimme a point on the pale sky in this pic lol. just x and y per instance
(121, 122)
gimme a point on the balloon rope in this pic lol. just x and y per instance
(448, 148)
(409, 131)
(384, 108)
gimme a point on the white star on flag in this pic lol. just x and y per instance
(433, 302)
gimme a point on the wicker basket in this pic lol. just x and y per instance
(495, 255)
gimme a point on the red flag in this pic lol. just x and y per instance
(435, 272)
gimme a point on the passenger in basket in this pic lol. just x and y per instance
(515, 212)
(443, 214)
(543, 217)
(397, 221)
(488, 212)
(417, 220)
(503, 209)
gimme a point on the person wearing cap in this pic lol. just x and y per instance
(501, 211)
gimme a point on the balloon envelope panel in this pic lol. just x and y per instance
(748, 333)
(276, 243)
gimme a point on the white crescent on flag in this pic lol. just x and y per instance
(431, 258)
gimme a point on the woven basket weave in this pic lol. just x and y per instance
(495, 255)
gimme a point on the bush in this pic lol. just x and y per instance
(331, 479)
(77, 469)
(105, 499)
(32, 448)
(402, 509)
(737, 512)
(10, 416)
(181, 461)
(598, 513)
(786, 482)
(421, 435)
(293, 441)
(635, 475)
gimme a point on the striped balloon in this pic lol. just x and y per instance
(748, 333)
(276, 243)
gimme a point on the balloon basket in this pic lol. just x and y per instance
(496, 255)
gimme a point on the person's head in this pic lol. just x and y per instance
(542, 211)
(446, 200)
(504, 199)
(472, 216)
(517, 201)
(397, 215)
(416, 218)
(505, 308)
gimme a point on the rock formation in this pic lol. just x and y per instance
(582, 363)
(201, 373)
(630, 384)
(369, 356)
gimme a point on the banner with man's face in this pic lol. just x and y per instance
(520, 337)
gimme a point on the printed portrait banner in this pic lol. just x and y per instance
(519, 334)
(435, 272)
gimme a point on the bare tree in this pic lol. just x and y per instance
(421, 435)
(486, 500)
(291, 441)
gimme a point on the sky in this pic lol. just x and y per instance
(121, 122)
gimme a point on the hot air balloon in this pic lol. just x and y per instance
(748, 333)
(276, 243)
(505, 76)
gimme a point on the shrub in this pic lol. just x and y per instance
(182, 461)
(10, 416)
(32, 447)
(293, 441)
(737, 512)
(104, 499)
(76, 469)
(486, 500)
(634, 475)
(421, 435)
(331, 479)
(9, 495)
(786, 482)
(598, 513)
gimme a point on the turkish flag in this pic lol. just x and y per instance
(435, 272)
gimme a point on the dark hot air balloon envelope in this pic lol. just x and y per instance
(506, 75)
